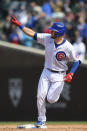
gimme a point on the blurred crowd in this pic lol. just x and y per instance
(39, 14)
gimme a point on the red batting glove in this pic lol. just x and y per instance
(68, 77)
(15, 21)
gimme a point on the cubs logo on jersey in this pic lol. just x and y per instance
(60, 55)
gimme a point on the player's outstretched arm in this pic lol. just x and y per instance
(26, 30)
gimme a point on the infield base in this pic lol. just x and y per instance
(29, 126)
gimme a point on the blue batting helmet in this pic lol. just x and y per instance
(59, 28)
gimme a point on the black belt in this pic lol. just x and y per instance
(55, 71)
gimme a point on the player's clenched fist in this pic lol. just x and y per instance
(68, 77)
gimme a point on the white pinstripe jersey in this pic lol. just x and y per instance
(56, 58)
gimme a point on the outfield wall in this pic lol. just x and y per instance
(20, 69)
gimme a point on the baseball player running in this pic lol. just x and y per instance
(58, 53)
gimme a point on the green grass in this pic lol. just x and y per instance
(48, 122)
(67, 122)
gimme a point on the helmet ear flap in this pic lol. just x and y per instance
(56, 34)
(60, 33)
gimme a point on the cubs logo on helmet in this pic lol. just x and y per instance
(60, 55)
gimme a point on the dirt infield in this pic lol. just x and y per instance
(49, 128)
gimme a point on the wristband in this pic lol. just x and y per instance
(21, 26)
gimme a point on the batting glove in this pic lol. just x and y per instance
(16, 22)
(68, 77)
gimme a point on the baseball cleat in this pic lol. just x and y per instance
(39, 124)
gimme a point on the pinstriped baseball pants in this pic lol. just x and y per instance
(50, 86)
